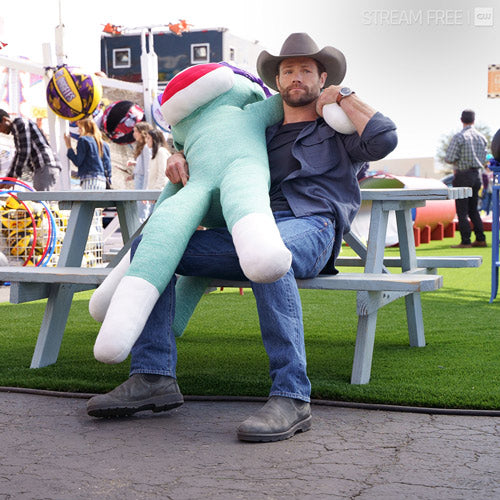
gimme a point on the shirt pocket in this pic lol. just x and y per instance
(318, 151)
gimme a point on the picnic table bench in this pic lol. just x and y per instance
(375, 286)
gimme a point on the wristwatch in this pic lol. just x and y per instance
(343, 93)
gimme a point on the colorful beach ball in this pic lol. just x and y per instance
(119, 119)
(73, 95)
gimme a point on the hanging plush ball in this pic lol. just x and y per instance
(119, 119)
(72, 95)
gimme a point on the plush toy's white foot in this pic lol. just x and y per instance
(128, 312)
(335, 116)
(99, 302)
(263, 256)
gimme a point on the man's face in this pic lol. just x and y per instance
(299, 81)
(5, 125)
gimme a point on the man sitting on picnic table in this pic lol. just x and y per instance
(314, 197)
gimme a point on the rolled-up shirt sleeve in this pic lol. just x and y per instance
(379, 138)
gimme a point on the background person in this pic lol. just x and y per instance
(33, 152)
(159, 155)
(488, 179)
(314, 196)
(467, 154)
(92, 156)
(142, 156)
(158, 164)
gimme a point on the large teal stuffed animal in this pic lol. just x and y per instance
(219, 119)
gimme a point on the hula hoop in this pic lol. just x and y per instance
(33, 223)
(52, 227)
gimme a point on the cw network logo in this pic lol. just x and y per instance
(479, 16)
(483, 16)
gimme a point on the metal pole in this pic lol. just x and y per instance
(14, 97)
(149, 73)
(51, 117)
(62, 125)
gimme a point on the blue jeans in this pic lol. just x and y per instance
(211, 253)
(486, 206)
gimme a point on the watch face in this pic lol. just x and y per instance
(345, 91)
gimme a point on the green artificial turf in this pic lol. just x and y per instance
(221, 352)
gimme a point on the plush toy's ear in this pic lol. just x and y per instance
(194, 87)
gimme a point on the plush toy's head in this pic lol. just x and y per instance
(206, 86)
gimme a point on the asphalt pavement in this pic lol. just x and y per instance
(51, 449)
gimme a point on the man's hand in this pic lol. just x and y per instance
(177, 169)
(8, 186)
(328, 96)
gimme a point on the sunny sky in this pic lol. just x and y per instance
(418, 62)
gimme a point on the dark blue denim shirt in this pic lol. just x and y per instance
(87, 158)
(326, 183)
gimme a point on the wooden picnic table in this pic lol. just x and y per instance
(59, 290)
(375, 287)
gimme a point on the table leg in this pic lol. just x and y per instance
(76, 235)
(409, 262)
(363, 351)
(53, 325)
(367, 323)
(61, 295)
(129, 218)
(376, 238)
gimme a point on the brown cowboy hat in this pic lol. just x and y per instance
(302, 45)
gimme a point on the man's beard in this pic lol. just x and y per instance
(301, 99)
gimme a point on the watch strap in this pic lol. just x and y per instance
(340, 96)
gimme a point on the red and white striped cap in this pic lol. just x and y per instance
(194, 87)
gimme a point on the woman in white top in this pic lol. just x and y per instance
(155, 140)
(142, 154)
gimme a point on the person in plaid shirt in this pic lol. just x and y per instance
(32, 151)
(467, 154)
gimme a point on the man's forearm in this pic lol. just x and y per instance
(358, 111)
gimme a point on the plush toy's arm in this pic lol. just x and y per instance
(269, 111)
(168, 191)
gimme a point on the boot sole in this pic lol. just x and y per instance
(302, 426)
(155, 406)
